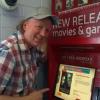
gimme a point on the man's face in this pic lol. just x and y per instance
(36, 31)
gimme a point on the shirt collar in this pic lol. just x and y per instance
(21, 41)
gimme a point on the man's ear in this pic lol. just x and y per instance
(25, 25)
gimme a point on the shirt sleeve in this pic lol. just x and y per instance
(6, 68)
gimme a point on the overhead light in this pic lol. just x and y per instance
(8, 4)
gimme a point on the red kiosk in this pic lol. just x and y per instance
(75, 41)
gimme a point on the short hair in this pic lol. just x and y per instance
(20, 25)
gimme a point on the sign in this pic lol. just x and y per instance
(74, 82)
(82, 22)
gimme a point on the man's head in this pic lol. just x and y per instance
(36, 28)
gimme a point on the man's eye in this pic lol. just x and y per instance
(39, 27)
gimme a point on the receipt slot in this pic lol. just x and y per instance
(75, 41)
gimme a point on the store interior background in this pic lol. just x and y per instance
(9, 19)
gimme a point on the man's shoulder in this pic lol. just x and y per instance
(8, 43)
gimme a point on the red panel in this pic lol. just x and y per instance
(75, 40)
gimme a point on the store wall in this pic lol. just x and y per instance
(9, 19)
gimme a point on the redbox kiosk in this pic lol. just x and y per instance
(75, 41)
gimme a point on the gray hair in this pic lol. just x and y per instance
(20, 25)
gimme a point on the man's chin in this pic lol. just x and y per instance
(35, 44)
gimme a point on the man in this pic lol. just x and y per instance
(20, 58)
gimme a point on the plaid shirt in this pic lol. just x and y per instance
(16, 77)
